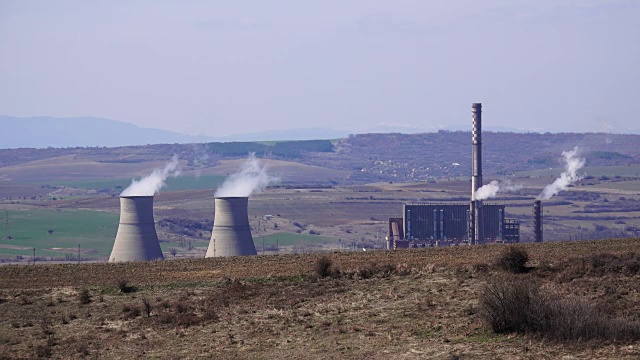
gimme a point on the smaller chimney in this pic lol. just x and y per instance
(472, 222)
(479, 223)
(537, 221)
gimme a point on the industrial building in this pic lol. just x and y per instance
(429, 224)
(474, 222)
(449, 221)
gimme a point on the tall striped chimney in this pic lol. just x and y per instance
(477, 233)
(476, 141)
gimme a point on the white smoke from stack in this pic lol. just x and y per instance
(200, 158)
(492, 189)
(152, 183)
(252, 177)
(573, 163)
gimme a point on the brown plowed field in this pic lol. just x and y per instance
(413, 304)
(163, 272)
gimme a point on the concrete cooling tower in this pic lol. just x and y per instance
(136, 239)
(231, 235)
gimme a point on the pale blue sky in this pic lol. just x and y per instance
(224, 67)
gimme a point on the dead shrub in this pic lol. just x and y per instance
(130, 312)
(46, 326)
(25, 300)
(232, 292)
(403, 270)
(147, 306)
(481, 267)
(323, 267)
(180, 307)
(600, 265)
(43, 351)
(210, 314)
(509, 304)
(187, 319)
(185, 314)
(386, 270)
(374, 269)
(84, 297)
(51, 341)
(124, 287)
(166, 318)
(82, 349)
(516, 304)
(512, 259)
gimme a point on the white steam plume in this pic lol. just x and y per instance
(152, 183)
(573, 163)
(492, 189)
(252, 177)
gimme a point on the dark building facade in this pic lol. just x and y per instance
(450, 222)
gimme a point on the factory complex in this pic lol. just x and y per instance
(421, 224)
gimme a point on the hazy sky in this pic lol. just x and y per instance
(225, 67)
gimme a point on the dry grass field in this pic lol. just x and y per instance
(415, 304)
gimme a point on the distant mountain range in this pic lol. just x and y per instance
(44, 131)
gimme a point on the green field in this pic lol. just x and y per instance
(94, 230)
(173, 184)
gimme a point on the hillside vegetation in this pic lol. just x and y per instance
(376, 157)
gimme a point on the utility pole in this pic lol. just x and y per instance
(6, 224)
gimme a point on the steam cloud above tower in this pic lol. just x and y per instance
(573, 163)
(152, 183)
(492, 189)
(252, 177)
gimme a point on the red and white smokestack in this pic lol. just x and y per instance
(476, 141)
(477, 234)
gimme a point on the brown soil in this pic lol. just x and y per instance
(422, 304)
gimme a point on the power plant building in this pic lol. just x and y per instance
(473, 222)
(450, 221)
